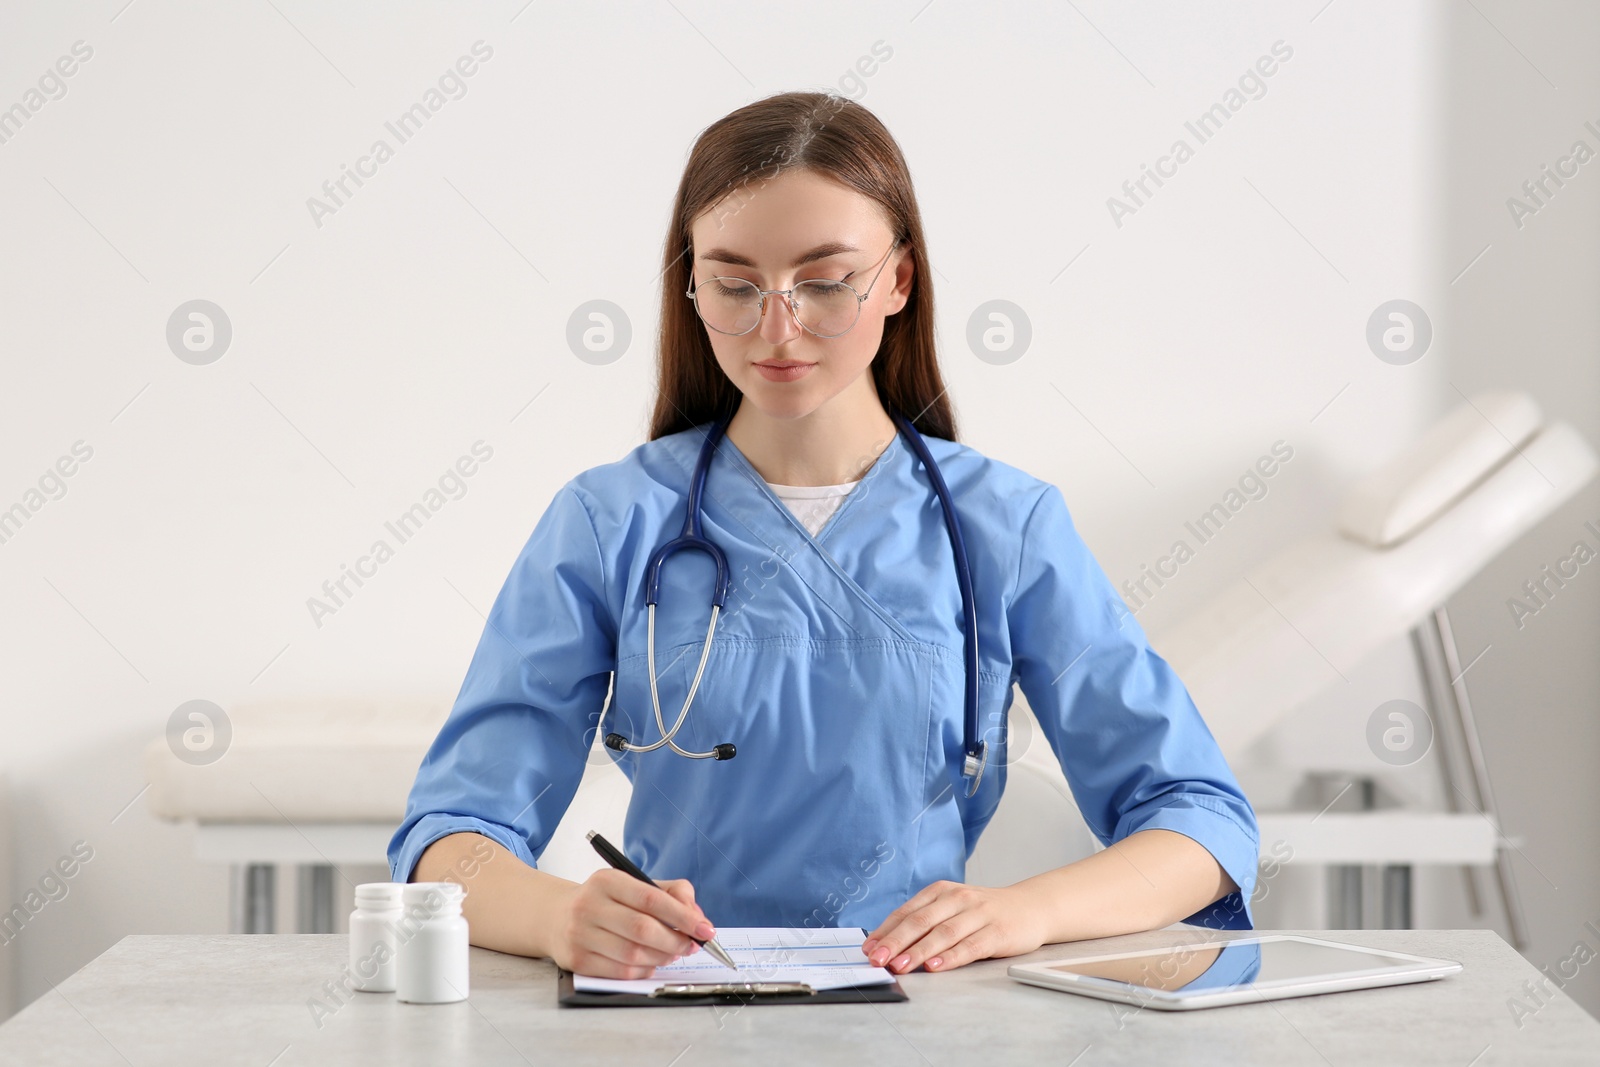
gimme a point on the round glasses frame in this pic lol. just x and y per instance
(788, 295)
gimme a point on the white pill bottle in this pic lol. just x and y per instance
(431, 964)
(372, 936)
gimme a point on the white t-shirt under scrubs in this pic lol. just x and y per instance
(813, 505)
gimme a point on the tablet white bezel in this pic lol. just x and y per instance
(1412, 969)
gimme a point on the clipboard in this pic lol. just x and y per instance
(699, 994)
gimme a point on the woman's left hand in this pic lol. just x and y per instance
(949, 924)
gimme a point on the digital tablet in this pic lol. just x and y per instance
(1209, 974)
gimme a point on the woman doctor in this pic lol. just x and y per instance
(836, 669)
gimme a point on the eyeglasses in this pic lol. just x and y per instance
(824, 307)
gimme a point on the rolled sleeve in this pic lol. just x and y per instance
(430, 827)
(1218, 828)
(509, 757)
(1130, 741)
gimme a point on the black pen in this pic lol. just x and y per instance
(613, 855)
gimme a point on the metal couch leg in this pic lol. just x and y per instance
(1397, 896)
(1345, 897)
(252, 904)
(1448, 695)
(314, 899)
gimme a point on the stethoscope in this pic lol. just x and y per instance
(976, 751)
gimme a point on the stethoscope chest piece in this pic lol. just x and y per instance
(973, 764)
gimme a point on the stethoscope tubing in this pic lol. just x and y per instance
(969, 613)
(692, 538)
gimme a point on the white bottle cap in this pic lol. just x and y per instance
(381, 895)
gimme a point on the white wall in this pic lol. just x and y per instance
(368, 354)
(1523, 84)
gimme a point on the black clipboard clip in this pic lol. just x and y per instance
(733, 989)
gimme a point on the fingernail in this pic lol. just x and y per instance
(933, 964)
(902, 963)
(879, 956)
(705, 931)
(868, 945)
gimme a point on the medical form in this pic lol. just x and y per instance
(823, 959)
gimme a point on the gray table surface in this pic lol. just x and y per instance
(246, 999)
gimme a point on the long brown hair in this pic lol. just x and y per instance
(841, 139)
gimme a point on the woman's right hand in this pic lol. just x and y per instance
(615, 926)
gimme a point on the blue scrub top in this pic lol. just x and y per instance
(836, 670)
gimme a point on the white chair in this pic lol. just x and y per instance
(1037, 826)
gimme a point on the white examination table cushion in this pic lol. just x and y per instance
(314, 761)
(1298, 622)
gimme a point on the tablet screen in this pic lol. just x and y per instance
(1221, 965)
